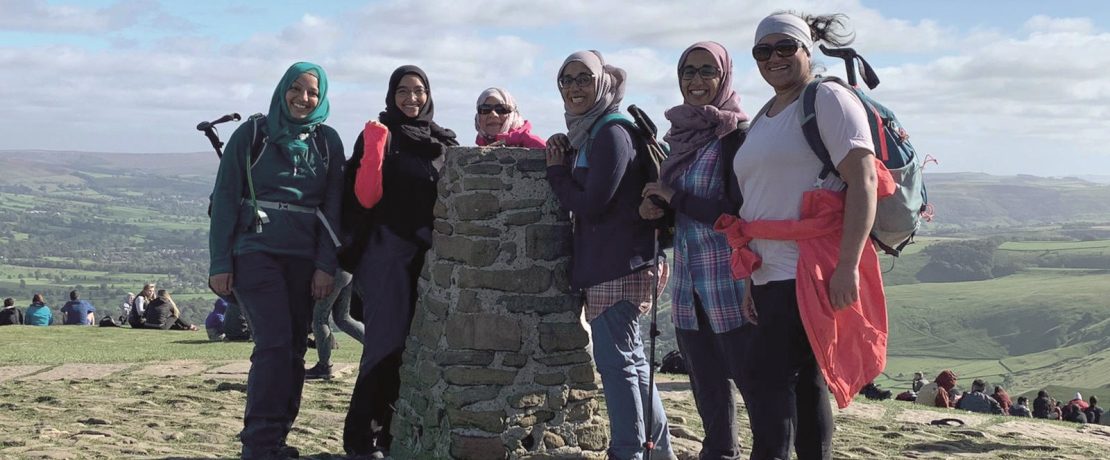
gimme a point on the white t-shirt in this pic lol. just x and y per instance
(775, 166)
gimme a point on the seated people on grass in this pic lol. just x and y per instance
(78, 312)
(10, 315)
(978, 401)
(162, 313)
(1021, 409)
(38, 314)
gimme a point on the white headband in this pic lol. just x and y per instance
(787, 24)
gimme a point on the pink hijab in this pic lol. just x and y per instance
(694, 126)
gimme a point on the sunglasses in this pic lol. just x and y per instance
(580, 80)
(706, 72)
(784, 48)
(501, 109)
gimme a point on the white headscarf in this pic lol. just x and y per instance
(513, 122)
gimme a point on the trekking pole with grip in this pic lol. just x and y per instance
(209, 130)
(657, 156)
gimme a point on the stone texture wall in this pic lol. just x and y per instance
(496, 365)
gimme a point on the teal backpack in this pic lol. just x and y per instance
(899, 216)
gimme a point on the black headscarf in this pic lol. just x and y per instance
(420, 136)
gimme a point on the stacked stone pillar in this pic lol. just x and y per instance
(496, 366)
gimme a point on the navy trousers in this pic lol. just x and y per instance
(785, 394)
(386, 281)
(713, 362)
(276, 296)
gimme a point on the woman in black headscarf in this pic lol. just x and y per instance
(390, 215)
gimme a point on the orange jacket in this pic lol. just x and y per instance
(850, 344)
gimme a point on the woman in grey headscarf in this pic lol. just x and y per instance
(613, 246)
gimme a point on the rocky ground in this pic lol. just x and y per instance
(190, 409)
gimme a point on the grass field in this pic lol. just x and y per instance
(100, 345)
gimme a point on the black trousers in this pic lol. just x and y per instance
(386, 281)
(276, 296)
(785, 394)
(713, 362)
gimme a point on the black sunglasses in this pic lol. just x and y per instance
(784, 48)
(579, 80)
(501, 109)
(706, 71)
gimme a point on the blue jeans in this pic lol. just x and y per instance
(337, 306)
(619, 355)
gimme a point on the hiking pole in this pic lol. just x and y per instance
(657, 156)
(850, 56)
(209, 129)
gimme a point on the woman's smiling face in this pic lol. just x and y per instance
(411, 95)
(578, 98)
(303, 95)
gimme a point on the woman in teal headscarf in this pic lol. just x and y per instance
(275, 207)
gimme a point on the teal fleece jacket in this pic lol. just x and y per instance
(277, 178)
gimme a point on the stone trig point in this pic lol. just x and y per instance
(496, 366)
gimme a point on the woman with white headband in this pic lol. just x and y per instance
(803, 244)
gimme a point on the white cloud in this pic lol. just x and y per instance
(978, 99)
(41, 16)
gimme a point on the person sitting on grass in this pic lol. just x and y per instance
(1073, 413)
(935, 393)
(77, 311)
(1021, 409)
(38, 314)
(162, 313)
(977, 401)
(1042, 405)
(1094, 413)
(10, 315)
(214, 323)
(1003, 399)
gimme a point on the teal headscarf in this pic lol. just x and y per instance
(282, 129)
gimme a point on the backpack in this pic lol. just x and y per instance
(650, 153)
(258, 144)
(673, 363)
(897, 217)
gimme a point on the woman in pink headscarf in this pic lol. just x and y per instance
(697, 185)
(500, 124)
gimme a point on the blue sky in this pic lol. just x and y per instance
(1003, 88)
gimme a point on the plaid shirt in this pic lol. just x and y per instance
(701, 255)
(634, 287)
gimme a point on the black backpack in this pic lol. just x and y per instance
(258, 144)
(673, 363)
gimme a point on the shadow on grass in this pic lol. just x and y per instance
(193, 342)
(320, 456)
(673, 386)
(971, 446)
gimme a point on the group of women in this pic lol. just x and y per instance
(276, 217)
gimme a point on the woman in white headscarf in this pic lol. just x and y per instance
(614, 258)
(499, 122)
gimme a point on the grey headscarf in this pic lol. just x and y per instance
(610, 92)
(787, 24)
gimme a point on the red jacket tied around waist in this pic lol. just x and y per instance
(850, 344)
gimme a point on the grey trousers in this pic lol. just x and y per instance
(337, 307)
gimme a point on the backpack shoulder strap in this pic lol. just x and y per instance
(808, 118)
(258, 137)
(615, 117)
